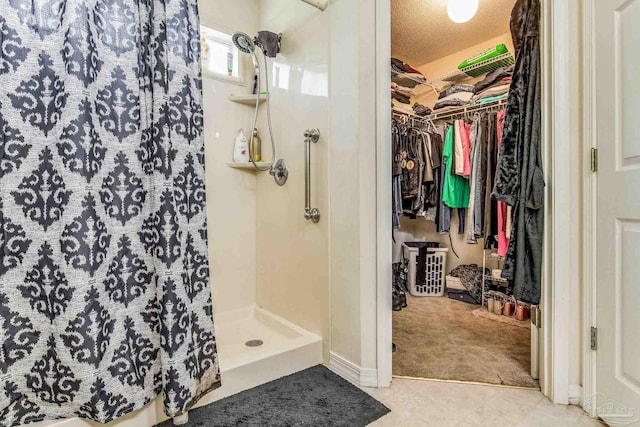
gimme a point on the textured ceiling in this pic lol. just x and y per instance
(422, 32)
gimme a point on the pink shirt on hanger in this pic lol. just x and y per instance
(463, 148)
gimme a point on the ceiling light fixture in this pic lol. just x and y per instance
(461, 11)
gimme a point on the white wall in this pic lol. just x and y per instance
(352, 182)
(231, 193)
(292, 253)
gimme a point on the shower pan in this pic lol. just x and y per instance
(286, 349)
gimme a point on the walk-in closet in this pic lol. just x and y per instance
(467, 190)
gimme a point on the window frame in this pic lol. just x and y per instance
(207, 72)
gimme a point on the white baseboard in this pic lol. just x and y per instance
(576, 395)
(352, 372)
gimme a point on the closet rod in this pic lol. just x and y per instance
(469, 109)
(456, 112)
(416, 121)
(318, 4)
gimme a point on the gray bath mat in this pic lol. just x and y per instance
(313, 397)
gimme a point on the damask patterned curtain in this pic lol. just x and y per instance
(104, 279)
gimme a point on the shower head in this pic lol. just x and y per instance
(244, 43)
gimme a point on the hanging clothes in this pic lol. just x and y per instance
(462, 148)
(504, 211)
(465, 137)
(520, 178)
(475, 214)
(490, 204)
(397, 176)
(105, 298)
(456, 188)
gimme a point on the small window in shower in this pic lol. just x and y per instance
(220, 58)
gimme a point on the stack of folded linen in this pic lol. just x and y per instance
(405, 75)
(455, 96)
(492, 94)
(401, 108)
(421, 110)
(494, 86)
(406, 82)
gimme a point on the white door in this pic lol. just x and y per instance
(617, 50)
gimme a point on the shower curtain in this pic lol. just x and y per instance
(104, 278)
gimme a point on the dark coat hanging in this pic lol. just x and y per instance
(519, 175)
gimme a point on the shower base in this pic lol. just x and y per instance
(286, 349)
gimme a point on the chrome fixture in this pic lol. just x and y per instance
(310, 136)
(280, 172)
(244, 43)
(278, 168)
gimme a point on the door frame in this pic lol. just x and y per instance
(589, 197)
(560, 93)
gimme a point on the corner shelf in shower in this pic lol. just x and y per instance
(248, 166)
(247, 99)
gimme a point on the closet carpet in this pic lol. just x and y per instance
(313, 397)
(439, 338)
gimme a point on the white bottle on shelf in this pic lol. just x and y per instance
(241, 148)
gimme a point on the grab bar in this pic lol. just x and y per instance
(310, 136)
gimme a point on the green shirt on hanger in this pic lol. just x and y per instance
(456, 189)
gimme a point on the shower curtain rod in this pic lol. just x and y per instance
(318, 4)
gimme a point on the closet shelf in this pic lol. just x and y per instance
(409, 77)
(247, 99)
(457, 112)
(476, 70)
(451, 113)
(248, 166)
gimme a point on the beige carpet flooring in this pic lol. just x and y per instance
(439, 338)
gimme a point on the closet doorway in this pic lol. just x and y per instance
(455, 317)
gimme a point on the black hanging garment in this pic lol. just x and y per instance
(519, 175)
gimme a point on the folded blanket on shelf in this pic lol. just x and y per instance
(456, 89)
(400, 97)
(454, 100)
(416, 76)
(406, 91)
(421, 110)
(492, 91)
(406, 81)
(397, 66)
(401, 108)
(402, 67)
(492, 78)
(492, 98)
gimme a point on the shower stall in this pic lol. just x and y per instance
(269, 266)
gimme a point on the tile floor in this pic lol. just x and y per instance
(415, 403)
